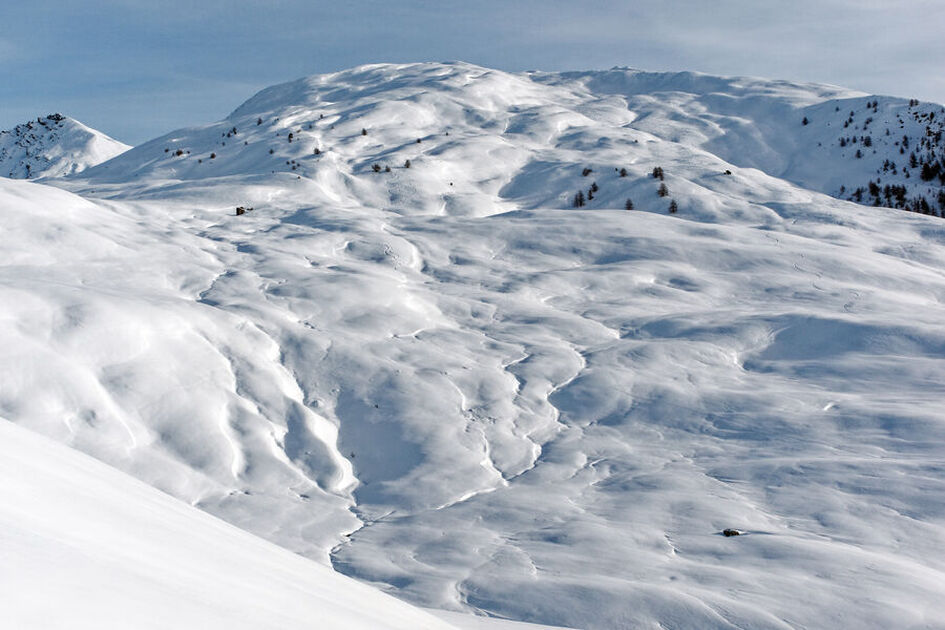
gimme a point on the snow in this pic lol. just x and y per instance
(450, 384)
(84, 546)
(53, 146)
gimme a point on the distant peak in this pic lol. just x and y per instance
(53, 146)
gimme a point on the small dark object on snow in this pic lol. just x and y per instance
(242, 210)
(728, 533)
(728, 172)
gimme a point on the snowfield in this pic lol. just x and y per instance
(85, 546)
(448, 382)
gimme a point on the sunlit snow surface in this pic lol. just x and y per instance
(85, 546)
(463, 390)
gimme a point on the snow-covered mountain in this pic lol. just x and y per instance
(450, 382)
(53, 146)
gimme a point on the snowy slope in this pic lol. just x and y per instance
(451, 383)
(53, 146)
(85, 546)
(824, 138)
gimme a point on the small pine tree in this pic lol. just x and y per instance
(623, 172)
(363, 132)
(673, 207)
(376, 168)
(213, 156)
(258, 121)
(317, 151)
(663, 191)
(407, 164)
(579, 199)
(805, 121)
(387, 169)
(594, 187)
(658, 173)
(586, 172)
(629, 204)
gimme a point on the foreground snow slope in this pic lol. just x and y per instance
(450, 383)
(53, 146)
(85, 546)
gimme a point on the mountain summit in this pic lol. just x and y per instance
(53, 146)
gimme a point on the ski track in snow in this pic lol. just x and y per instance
(449, 383)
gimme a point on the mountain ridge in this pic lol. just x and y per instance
(809, 134)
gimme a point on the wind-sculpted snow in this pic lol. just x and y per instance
(85, 546)
(465, 390)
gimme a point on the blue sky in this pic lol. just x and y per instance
(135, 69)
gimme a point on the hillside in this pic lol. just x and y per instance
(125, 555)
(876, 150)
(451, 383)
(116, 553)
(53, 146)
